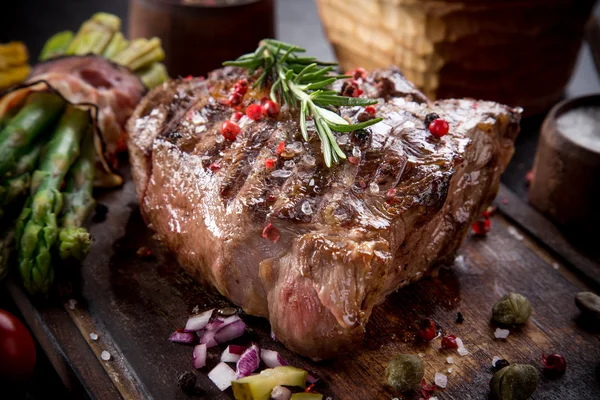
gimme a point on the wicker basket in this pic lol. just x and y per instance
(516, 52)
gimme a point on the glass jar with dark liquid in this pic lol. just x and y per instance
(198, 35)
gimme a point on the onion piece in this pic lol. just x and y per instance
(232, 353)
(230, 320)
(208, 338)
(272, 358)
(199, 356)
(281, 393)
(182, 337)
(214, 325)
(222, 375)
(197, 322)
(230, 331)
(248, 362)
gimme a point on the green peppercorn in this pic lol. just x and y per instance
(515, 382)
(405, 372)
(512, 309)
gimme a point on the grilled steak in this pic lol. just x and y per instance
(312, 248)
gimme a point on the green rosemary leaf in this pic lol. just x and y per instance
(305, 70)
(284, 46)
(273, 93)
(321, 84)
(332, 139)
(244, 63)
(334, 100)
(331, 117)
(303, 112)
(325, 145)
(354, 127)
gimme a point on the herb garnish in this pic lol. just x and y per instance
(302, 82)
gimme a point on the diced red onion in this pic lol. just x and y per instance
(208, 338)
(230, 332)
(232, 353)
(272, 358)
(197, 322)
(222, 375)
(182, 337)
(214, 325)
(230, 320)
(248, 362)
(281, 393)
(199, 356)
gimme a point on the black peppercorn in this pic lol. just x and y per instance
(459, 318)
(498, 365)
(187, 382)
(361, 136)
(429, 118)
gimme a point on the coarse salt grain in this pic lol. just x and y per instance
(306, 208)
(281, 173)
(219, 139)
(311, 183)
(309, 160)
(495, 359)
(374, 187)
(93, 336)
(289, 164)
(462, 351)
(501, 333)
(356, 151)
(440, 380)
(196, 309)
(555, 266)
(450, 370)
(72, 304)
(450, 360)
(421, 355)
(296, 147)
(459, 342)
(515, 233)
(105, 355)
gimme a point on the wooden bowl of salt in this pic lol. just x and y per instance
(566, 172)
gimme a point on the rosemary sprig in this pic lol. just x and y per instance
(302, 82)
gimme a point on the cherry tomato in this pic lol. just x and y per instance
(17, 349)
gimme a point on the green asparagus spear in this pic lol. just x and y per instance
(39, 113)
(57, 45)
(140, 53)
(94, 35)
(12, 191)
(78, 194)
(37, 229)
(74, 241)
(153, 75)
(116, 45)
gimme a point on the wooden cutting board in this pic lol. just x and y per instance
(133, 304)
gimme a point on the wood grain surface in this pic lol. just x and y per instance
(135, 303)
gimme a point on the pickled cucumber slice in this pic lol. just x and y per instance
(259, 387)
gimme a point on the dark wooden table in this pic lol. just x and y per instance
(134, 303)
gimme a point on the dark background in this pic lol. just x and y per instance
(33, 21)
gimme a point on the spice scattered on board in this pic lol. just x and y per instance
(514, 382)
(405, 372)
(512, 309)
(588, 303)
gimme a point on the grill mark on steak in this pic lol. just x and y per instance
(319, 282)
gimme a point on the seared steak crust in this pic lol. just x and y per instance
(348, 235)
